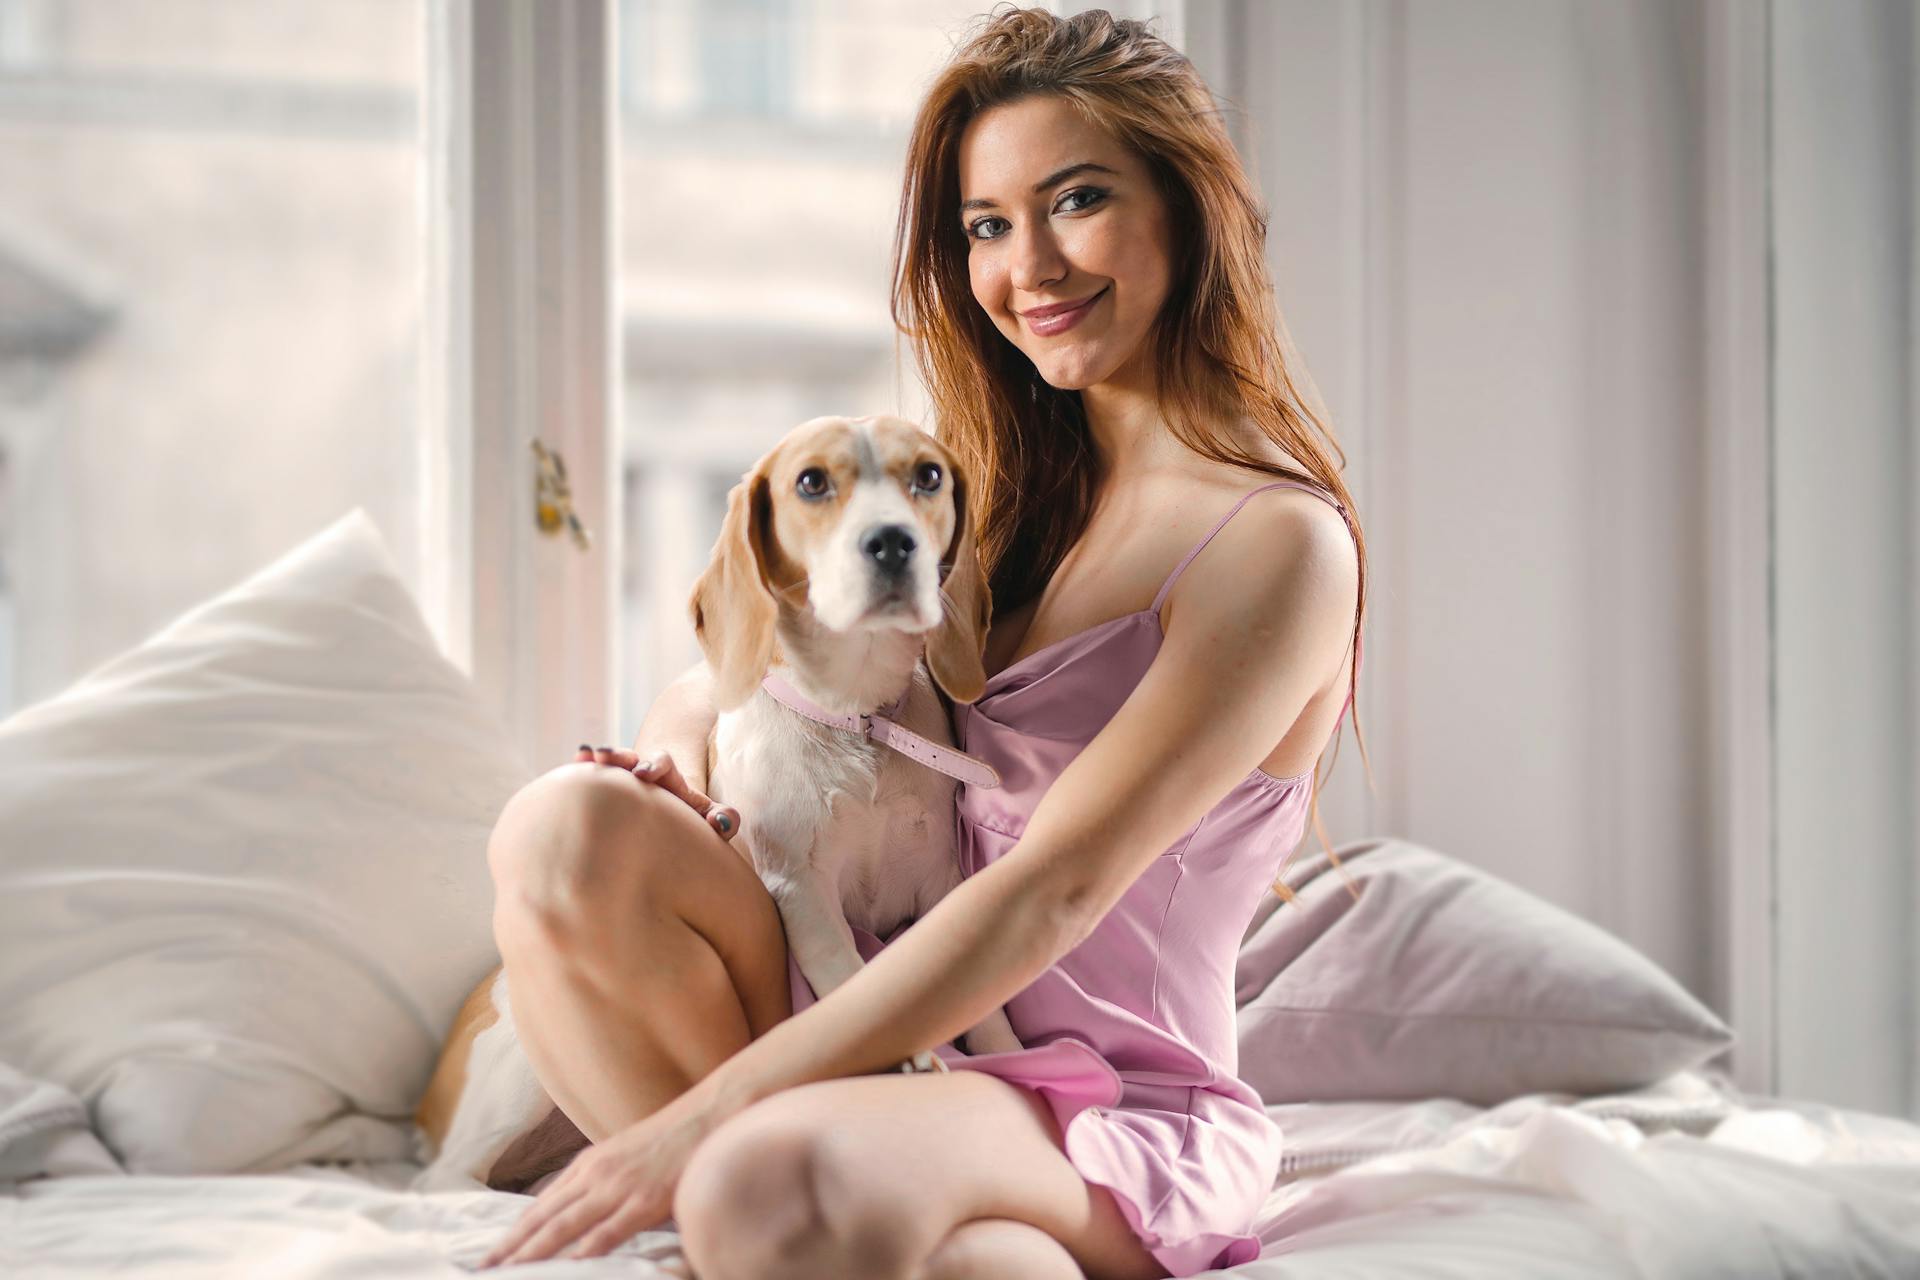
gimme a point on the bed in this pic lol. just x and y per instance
(243, 892)
(1681, 1179)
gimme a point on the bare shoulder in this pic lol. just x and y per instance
(1286, 561)
(1278, 536)
(1279, 525)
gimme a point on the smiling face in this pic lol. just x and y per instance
(1068, 241)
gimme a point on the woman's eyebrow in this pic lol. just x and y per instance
(1053, 179)
(1059, 176)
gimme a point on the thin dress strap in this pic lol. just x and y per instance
(1222, 523)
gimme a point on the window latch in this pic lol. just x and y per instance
(553, 500)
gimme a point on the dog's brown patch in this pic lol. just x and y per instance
(435, 1112)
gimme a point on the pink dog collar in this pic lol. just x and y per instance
(883, 729)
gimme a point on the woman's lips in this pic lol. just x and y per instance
(1047, 321)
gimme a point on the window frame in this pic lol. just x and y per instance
(522, 146)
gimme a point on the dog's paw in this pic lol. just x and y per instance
(924, 1061)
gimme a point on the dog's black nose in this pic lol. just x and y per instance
(889, 545)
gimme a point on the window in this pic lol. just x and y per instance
(706, 58)
(757, 210)
(210, 302)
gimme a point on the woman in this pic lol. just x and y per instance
(1079, 262)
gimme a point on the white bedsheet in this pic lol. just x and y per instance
(1682, 1180)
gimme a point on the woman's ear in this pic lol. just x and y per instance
(954, 649)
(732, 603)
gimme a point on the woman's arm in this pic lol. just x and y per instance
(1254, 633)
(679, 722)
(1257, 629)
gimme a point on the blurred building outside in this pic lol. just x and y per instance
(211, 267)
(210, 261)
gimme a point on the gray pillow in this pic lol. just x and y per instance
(1444, 981)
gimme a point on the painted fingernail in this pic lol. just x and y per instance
(606, 749)
(585, 747)
(724, 823)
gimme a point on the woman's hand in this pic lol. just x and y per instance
(660, 770)
(613, 1190)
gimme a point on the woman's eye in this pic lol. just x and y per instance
(926, 477)
(1083, 198)
(812, 482)
(986, 228)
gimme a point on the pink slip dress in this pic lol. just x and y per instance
(1130, 1037)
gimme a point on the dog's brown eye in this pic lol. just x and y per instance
(927, 477)
(813, 482)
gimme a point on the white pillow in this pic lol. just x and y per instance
(243, 881)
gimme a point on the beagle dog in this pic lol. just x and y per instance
(845, 558)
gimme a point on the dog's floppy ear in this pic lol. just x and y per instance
(732, 603)
(954, 649)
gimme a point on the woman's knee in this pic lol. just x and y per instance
(580, 845)
(992, 1247)
(746, 1200)
(771, 1193)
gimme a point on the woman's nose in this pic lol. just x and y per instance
(1037, 260)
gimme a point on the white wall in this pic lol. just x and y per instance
(1490, 225)
(1485, 239)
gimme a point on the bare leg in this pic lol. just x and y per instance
(641, 950)
(873, 1176)
(993, 1248)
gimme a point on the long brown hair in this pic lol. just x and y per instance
(1223, 346)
